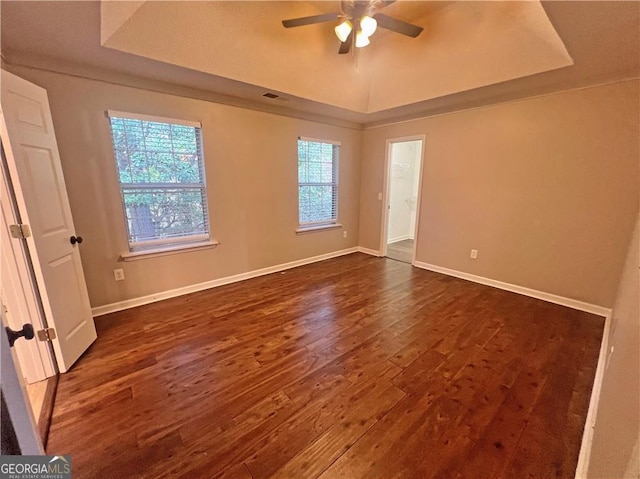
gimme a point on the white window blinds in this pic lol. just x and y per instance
(162, 182)
(317, 182)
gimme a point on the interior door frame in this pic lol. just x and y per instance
(387, 189)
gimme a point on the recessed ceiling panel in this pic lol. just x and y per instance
(246, 41)
(465, 45)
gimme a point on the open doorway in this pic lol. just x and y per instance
(404, 170)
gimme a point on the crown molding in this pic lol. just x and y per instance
(87, 72)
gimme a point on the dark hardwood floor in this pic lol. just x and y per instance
(356, 367)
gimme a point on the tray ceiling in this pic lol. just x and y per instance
(472, 53)
(464, 46)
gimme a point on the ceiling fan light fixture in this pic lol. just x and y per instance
(343, 30)
(368, 25)
(362, 40)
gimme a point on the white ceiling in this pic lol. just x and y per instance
(471, 53)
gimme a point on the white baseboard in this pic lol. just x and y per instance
(590, 423)
(552, 298)
(152, 298)
(368, 251)
(398, 239)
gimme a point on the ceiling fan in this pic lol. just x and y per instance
(360, 18)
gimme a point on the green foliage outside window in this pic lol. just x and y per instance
(317, 182)
(161, 179)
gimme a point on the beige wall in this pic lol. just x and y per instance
(615, 442)
(545, 188)
(251, 166)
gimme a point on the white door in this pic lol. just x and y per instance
(32, 156)
(19, 291)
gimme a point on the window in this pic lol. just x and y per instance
(317, 183)
(162, 182)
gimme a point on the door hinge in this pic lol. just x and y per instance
(20, 231)
(46, 334)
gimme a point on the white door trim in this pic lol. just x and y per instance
(386, 192)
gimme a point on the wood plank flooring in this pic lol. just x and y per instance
(401, 251)
(356, 367)
(36, 393)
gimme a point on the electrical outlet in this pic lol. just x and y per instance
(379, 196)
(345, 234)
(118, 274)
(474, 254)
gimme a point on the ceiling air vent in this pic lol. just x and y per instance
(270, 95)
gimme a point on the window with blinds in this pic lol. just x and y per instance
(317, 182)
(162, 182)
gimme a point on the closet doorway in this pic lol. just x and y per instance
(404, 170)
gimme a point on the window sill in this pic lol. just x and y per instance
(313, 229)
(175, 249)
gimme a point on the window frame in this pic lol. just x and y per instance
(304, 227)
(161, 246)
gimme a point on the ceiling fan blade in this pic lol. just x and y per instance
(298, 22)
(397, 26)
(346, 45)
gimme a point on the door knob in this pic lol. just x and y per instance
(26, 332)
(76, 239)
